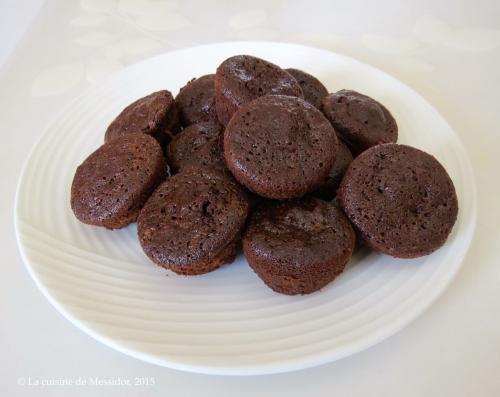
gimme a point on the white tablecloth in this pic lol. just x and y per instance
(449, 51)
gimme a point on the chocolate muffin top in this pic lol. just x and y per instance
(198, 144)
(151, 115)
(242, 78)
(314, 91)
(280, 146)
(299, 233)
(400, 199)
(360, 121)
(298, 246)
(112, 184)
(196, 101)
(328, 190)
(191, 218)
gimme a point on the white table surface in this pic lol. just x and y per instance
(449, 51)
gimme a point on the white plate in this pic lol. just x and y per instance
(228, 321)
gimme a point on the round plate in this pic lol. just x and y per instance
(227, 321)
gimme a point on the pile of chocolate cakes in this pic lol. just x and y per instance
(264, 158)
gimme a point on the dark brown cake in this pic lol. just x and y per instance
(280, 146)
(400, 199)
(154, 114)
(196, 101)
(242, 78)
(328, 190)
(192, 222)
(112, 184)
(299, 246)
(314, 91)
(360, 121)
(198, 144)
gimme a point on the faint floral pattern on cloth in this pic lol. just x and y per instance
(141, 28)
(111, 34)
(429, 31)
